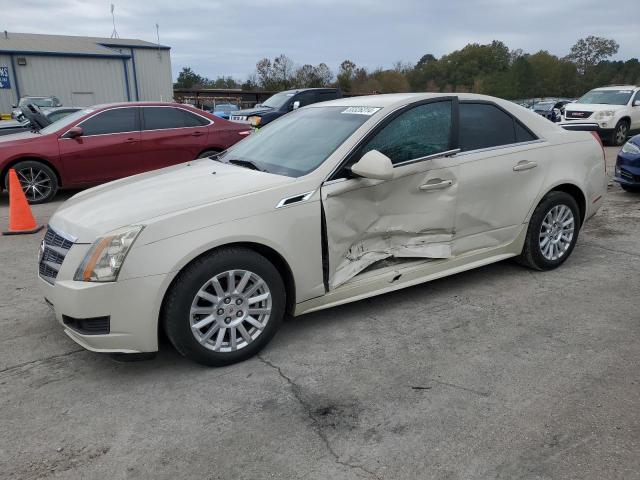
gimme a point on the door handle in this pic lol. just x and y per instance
(435, 185)
(524, 165)
(131, 140)
(197, 134)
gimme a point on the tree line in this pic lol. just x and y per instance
(492, 69)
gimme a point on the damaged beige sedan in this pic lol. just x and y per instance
(332, 203)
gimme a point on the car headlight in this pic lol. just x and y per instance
(255, 121)
(606, 114)
(631, 148)
(104, 259)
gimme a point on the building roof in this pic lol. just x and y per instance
(35, 43)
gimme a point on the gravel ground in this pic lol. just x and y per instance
(500, 373)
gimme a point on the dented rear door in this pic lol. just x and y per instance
(411, 216)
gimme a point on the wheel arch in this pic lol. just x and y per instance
(15, 161)
(268, 252)
(213, 148)
(626, 119)
(577, 193)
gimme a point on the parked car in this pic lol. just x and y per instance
(40, 101)
(552, 109)
(332, 203)
(224, 110)
(627, 171)
(107, 142)
(615, 110)
(283, 102)
(46, 116)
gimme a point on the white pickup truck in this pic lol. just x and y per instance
(615, 110)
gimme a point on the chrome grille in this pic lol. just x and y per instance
(53, 250)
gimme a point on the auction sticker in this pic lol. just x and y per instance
(361, 110)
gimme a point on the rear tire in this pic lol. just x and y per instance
(552, 233)
(620, 134)
(39, 182)
(224, 307)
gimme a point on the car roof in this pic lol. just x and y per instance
(394, 99)
(617, 87)
(298, 90)
(138, 104)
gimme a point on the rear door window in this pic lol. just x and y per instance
(117, 120)
(160, 118)
(483, 125)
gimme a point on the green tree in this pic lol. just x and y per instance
(588, 52)
(187, 78)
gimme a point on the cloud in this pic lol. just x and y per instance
(228, 37)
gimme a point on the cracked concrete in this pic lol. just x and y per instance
(295, 389)
(497, 373)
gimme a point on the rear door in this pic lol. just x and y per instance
(502, 168)
(108, 149)
(171, 135)
(408, 217)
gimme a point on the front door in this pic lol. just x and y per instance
(408, 217)
(501, 173)
(109, 147)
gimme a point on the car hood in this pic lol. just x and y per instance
(141, 198)
(591, 107)
(19, 138)
(251, 111)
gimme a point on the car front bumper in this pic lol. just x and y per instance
(131, 307)
(627, 171)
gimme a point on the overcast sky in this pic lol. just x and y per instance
(228, 37)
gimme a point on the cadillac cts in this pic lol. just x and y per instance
(332, 203)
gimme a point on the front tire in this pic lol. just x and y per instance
(208, 153)
(224, 307)
(39, 182)
(552, 233)
(620, 134)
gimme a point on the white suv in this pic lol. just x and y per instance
(616, 110)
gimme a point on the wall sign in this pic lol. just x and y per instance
(4, 77)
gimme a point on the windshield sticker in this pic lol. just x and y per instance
(361, 110)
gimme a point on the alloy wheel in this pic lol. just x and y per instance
(556, 232)
(230, 310)
(36, 183)
(621, 134)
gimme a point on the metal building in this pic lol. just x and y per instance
(82, 71)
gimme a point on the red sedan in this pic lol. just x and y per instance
(107, 142)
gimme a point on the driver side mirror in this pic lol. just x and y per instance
(636, 103)
(75, 132)
(374, 165)
(296, 105)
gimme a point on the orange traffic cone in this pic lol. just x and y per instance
(21, 219)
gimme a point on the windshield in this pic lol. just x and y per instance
(225, 107)
(66, 121)
(39, 101)
(278, 100)
(297, 143)
(607, 97)
(544, 106)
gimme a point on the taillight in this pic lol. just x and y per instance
(599, 140)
